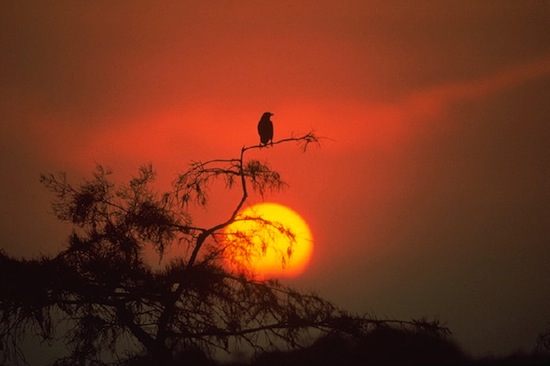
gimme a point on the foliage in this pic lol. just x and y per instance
(543, 341)
(384, 345)
(103, 286)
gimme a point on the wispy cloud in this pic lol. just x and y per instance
(389, 123)
(436, 100)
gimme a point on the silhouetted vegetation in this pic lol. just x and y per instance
(387, 345)
(384, 345)
(118, 308)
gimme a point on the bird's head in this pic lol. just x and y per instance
(267, 115)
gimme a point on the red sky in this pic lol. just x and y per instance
(429, 195)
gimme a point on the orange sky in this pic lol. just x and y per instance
(428, 196)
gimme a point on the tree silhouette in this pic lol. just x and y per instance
(108, 295)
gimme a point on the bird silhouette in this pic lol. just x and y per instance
(265, 129)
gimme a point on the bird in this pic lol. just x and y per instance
(265, 129)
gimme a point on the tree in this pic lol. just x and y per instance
(102, 285)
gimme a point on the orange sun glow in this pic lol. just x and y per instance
(269, 240)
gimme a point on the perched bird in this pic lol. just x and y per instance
(265, 129)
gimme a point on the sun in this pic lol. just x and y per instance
(268, 240)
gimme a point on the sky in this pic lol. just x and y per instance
(428, 195)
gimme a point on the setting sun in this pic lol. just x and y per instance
(269, 240)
